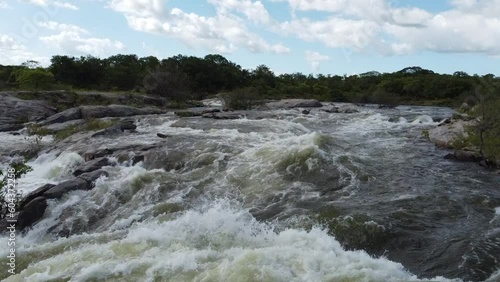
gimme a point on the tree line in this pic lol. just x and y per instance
(187, 77)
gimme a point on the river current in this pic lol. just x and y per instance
(289, 197)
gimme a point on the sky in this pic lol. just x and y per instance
(308, 36)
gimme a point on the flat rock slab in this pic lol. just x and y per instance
(60, 189)
(15, 111)
(56, 127)
(294, 103)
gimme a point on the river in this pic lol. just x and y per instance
(318, 197)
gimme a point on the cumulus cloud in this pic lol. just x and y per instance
(225, 32)
(74, 39)
(315, 59)
(15, 53)
(4, 5)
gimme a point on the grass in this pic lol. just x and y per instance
(92, 124)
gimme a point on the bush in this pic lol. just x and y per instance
(15, 171)
(241, 99)
(35, 79)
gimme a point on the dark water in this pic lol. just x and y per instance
(288, 198)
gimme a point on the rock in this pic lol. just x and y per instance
(444, 121)
(332, 110)
(294, 103)
(188, 114)
(443, 136)
(164, 159)
(116, 111)
(305, 112)
(14, 111)
(117, 128)
(31, 213)
(97, 154)
(136, 159)
(348, 109)
(15, 133)
(450, 157)
(161, 135)
(56, 127)
(208, 111)
(64, 116)
(11, 127)
(92, 166)
(467, 156)
(60, 189)
(90, 177)
(35, 194)
(223, 115)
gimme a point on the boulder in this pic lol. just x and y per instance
(294, 103)
(90, 177)
(117, 128)
(64, 116)
(305, 112)
(348, 109)
(91, 166)
(444, 136)
(35, 194)
(31, 213)
(60, 189)
(161, 135)
(331, 110)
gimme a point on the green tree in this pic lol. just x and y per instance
(35, 79)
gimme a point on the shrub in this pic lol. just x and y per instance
(19, 169)
(241, 99)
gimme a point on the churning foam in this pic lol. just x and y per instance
(217, 243)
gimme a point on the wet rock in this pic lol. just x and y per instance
(60, 189)
(348, 109)
(11, 127)
(161, 135)
(164, 159)
(90, 177)
(122, 126)
(443, 136)
(467, 156)
(223, 115)
(116, 111)
(87, 156)
(64, 116)
(444, 121)
(208, 111)
(332, 110)
(305, 112)
(15, 133)
(31, 213)
(188, 114)
(450, 157)
(294, 103)
(137, 159)
(35, 194)
(92, 166)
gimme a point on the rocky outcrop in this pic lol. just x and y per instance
(443, 136)
(64, 116)
(14, 111)
(35, 194)
(116, 111)
(82, 182)
(294, 103)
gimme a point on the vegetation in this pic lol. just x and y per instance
(241, 99)
(180, 78)
(15, 171)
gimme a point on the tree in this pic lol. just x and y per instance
(35, 79)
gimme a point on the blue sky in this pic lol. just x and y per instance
(308, 36)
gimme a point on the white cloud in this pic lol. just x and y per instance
(74, 39)
(315, 59)
(59, 4)
(4, 5)
(223, 33)
(14, 53)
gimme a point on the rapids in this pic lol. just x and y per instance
(318, 197)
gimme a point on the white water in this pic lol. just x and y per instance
(143, 239)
